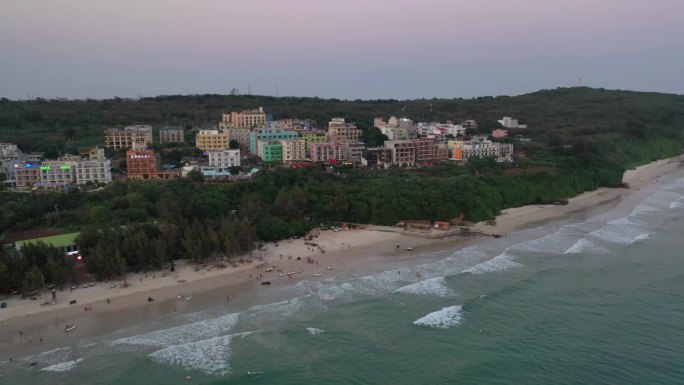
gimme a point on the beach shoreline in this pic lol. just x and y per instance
(209, 286)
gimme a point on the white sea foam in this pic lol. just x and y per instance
(501, 262)
(209, 356)
(640, 237)
(579, 246)
(63, 366)
(433, 286)
(677, 204)
(443, 319)
(182, 334)
(315, 331)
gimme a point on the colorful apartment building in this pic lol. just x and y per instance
(313, 137)
(139, 136)
(212, 140)
(271, 152)
(262, 135)
(294, 150)
(341, 132)
(244, 119)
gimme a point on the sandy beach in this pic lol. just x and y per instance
(27, 327)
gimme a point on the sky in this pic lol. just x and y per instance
(346, 49)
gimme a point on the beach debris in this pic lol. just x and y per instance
(331, 267)
(188, 298)
(150, 299)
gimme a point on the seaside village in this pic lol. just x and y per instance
(244, 143)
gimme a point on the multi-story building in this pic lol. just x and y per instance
(57, 174)
(144, 165)
(322, 152)
(263, 135)
(26, 176)
(482, 148)
(93, 171)
(377, 157)
(240, 135)
(244, 119)
(8, 150)
(212, 140)
(509, 122)
(294, 150)
(403, 152)
(341, 132)
(325, 152)
(313, 137)
(139, 136)
(141, 164)
(271, 152)
(430, 152)
(396, 128)
(171, 135)
(224, 158)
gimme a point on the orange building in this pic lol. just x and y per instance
(144, 164)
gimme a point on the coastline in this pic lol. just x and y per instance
(345, 250)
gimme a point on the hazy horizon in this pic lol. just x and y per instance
(373, 49)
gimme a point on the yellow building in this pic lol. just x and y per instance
(212, 140)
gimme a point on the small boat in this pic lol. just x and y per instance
(283, 274)
(254, 373)
(269, 269)
(188, 298)
(330, 267)
(266, 282)
(69, 328)
(409, 248)
(317, 274)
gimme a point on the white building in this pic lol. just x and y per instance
(224, 158)
(509, 122)
(93, 171)
(480, 147)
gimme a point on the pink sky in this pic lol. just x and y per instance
(345, 49)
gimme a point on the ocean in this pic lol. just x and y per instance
(596, 298)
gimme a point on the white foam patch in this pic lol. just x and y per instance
(315, 331)
(580, 246)
(433, 286)
(640, 237)
(677, 204)
(63, 366)
(443, 319)
(184, 333)
(208, 356)
(501, 262)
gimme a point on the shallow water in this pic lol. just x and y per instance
(584, 301)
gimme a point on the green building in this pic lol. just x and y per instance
(272, 152)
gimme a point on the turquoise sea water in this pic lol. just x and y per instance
(587, 300)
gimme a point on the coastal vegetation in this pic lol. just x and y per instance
(578, 139)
